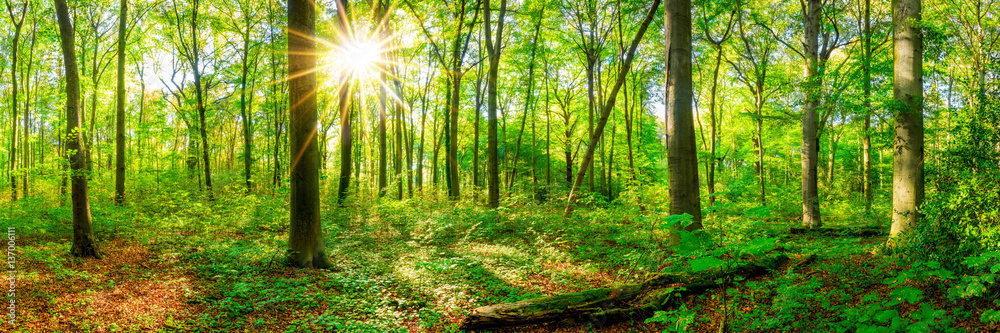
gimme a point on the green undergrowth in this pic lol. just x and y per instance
(424, 263)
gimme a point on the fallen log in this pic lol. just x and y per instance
(842, 232)
(609, 305)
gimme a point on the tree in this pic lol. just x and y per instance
(191, 52)
(682, 158)
(528, 96)
(343, 93)
(455, 69)
(756, 55)
(588, 157)
(908, 83)
(120, 105)
(591, 37)
(305, 237)
(713, 144)
(493, 48)
(17, 18)
(84, 244)
(810, 143)
(244, 27)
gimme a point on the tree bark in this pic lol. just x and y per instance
(305, 238)
(120, 105)
(908, 159)
(346, 132)
(18, 23)
(682, 158)
(245, 114)
(866, 130)
(84, 244)
(493, 49)
(810, 146)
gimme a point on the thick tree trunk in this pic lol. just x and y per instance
(810, 146)
(305, 238)
(908, 159)
(120, 104)
(84, 244)
(682, 160)
(606, 306)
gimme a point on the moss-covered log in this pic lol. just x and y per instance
(608, 305)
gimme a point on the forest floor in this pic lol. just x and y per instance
(176, 265)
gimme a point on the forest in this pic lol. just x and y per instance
(500, 166)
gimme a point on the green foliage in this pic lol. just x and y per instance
(983, 277)
(676, 320)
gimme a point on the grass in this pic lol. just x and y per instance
(175, 264)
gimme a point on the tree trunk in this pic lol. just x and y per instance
(476, 181)
(26, 162)
(381, 138)
(120, 104)
(84, 244)
(713, 144)
(346, 133)
(493, 49)
(200, 93)
(866, 186)
(810, 147)
(682, 158)
(399, 140)
(305, 238)
(833, 155)
(908, 159)
(244, 108)
(18, 23)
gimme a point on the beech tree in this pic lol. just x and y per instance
(908, 84)
(493, 47)
(305, 237)
(120, 106)
(84, 244)
(682, 157)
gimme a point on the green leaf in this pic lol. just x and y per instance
(705, 263)
(759, 246)
(886, 316)
(910, 294)
(693, 243)
(989, 316)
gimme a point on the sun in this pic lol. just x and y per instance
(359, 58)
